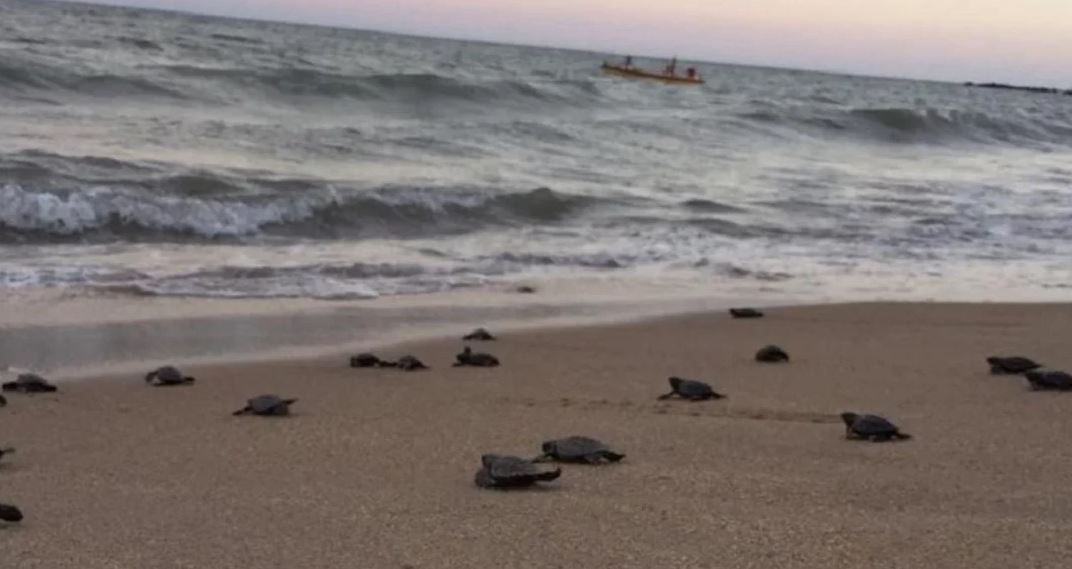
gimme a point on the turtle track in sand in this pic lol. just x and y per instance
(690, 409)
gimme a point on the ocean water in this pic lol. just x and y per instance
(150, 153)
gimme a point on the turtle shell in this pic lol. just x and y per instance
(30, 383)
(167, 375)
(1050, 380)
(692, 389)
(771, 354)
(364, 360)
(480, 334)
(269, 405)
(872, 425)
(9, 513)
(512, 471)
(575, 448)
(1011, 365)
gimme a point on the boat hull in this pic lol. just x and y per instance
(633, 73)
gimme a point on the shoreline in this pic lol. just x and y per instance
(197, 331)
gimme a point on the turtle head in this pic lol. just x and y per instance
(548, 447)
(675, 382)
(849, 418)
(993, 360)
(488, 459)
(467, 351)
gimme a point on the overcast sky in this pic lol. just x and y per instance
(1025, 41)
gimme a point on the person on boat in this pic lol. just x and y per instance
(628, 62)
(671, 68)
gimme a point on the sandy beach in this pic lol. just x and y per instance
(375, 467)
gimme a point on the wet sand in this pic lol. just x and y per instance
(375, 467)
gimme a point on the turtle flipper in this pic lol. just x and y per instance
(10, 386)
(149, 377)
(548, 476)
(189, 379)
(667, 396)
(242, 411)
(545, 457)
(902, 436)
(3, 401)
(612, 456)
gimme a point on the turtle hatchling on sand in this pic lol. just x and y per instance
(691, 390)
(1049, 380)
(498, 471)
(468, 358)
(579, 449)
(479, 335)
(366, 360)
(266, 405)
(772, 355)
(1011, 365)
(409, 363)
(9, 513)
(29, 383)
(745, 313)
(167, 375)
(871, 428)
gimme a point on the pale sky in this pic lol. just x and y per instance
(1023, 41)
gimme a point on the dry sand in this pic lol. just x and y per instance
(375, 468)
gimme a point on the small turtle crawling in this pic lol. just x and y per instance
(9, 513)
(479, 335)
(1049, 380)
(468, 358)
(167, 375)
(1011, 365)
(408, 363)
(871, 428)
(498, 471)
(691, 390)
(579, 449)
(745, 313)
(266, 405)
(366, 360)
(29, 383)
(772, 355)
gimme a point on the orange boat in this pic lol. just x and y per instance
(666, 77)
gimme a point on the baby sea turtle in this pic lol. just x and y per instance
(745, 313)
(579, 449)
(691, 390)
(871, 428)
(266, 405)
(167, 375)
(480, 335)
(1049, 380)
(772, 355)
(409, 363)
(29, 383)
(468, 358)
(1011, 365)
(498, 471)
(365, 360)
(9, 513)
